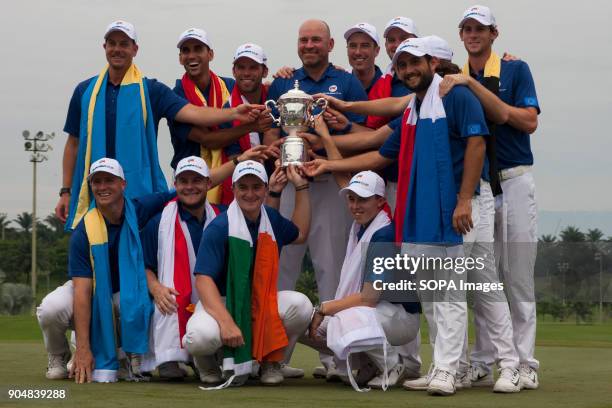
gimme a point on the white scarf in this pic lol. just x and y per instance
(357, 329)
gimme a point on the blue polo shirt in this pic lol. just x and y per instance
(391, 172)
(150, 233)
(179, 132)
(465, 119)
(335, 82)
(516, 88)
(79, 261)
(164, 104)
(213, 253)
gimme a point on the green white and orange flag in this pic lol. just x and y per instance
(252, 300)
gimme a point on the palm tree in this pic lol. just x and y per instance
(572, 234)
(548, 239)
(4, 222)
(24, 220)
(594, 235)
(56, 225)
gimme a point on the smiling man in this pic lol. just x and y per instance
(362, 49)
(105, 254)
(507, 92)
(116, 114)
(236, 271)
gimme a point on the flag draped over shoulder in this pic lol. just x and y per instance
(492, 73)
(426, 191)
(217, 96)
(252, 301)
(175, 260)
(134, 302)
(381, 89)
(135, 141)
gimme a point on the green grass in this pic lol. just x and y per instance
(576, 372)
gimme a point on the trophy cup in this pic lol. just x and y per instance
(295, 115)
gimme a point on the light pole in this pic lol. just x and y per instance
(599, 257)
(37, 145)
(563, 267)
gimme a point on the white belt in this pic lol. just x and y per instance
(512, 172)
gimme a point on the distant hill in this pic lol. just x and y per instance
(552, 222)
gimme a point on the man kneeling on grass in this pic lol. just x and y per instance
(240, 312)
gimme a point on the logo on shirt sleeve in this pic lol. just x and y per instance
(474, 129)
(529, 101)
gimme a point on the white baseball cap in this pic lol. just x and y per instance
(123, 26)
(192, 163)
(365, 28)
(249, 167)
(196, 34)
(366, 184)
(403, 23)
(482, 14)
(106, 165)
(415, 46)
(439, 48)
(252, 51)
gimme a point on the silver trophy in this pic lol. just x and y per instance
(295, 115)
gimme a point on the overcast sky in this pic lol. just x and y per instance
(50, 46)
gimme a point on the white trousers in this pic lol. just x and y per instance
(445, 310)
(490, 308)
(55, 317)
(327, 239)
(203, 336)
(400, 328)
(516, 217)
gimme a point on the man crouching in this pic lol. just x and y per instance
(236, 271)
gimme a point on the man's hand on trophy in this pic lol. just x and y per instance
(315, 167)
(264, 121)
(257, 153)
(296, 175)
(278, 179)
(335, 120)
(284, 72)
(312, 141)
(247, 113)
(332, 102)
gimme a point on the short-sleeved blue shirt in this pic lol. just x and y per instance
(149, 234)
(391, 172)
(465, 119)
(337, 83)
(213, 253)
(164, 103)
(79, 262)
(179, 132)
(516, 88)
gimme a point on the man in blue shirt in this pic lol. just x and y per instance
(507, 92)
(330, 222)
(121, 47)
(439, 211)
(362, 48)
(213, 325)
(70, 305)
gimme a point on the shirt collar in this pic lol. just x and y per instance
(330, 72)
(187, 216)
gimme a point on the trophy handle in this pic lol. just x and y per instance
(272, 104)
(319, 103)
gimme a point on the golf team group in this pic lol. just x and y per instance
(426, 156)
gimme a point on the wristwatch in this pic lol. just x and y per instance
(317, 309)
(64, 190)
(275, 194)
